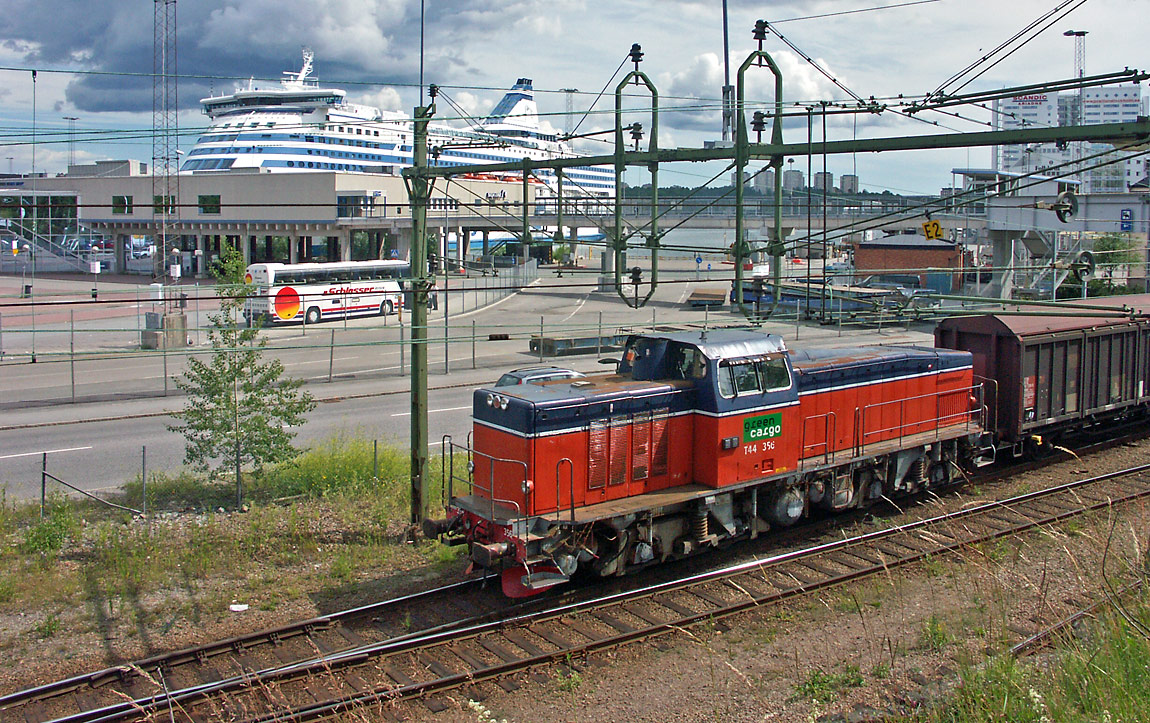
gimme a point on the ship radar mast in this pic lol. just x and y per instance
(295, 80)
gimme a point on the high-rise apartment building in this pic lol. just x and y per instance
(1107, 104)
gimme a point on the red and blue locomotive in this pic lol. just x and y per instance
(697, 439)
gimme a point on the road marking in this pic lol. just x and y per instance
(46, 451)
(321, 361)
(433, 411)
(577, 308)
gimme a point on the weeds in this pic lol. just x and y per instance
(823, 687)
(48, 627)
(934, 635)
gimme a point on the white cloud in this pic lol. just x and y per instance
(385, 99)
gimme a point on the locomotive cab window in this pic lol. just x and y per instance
(776, 376)
(743, 377)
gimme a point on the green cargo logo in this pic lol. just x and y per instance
(764, 427)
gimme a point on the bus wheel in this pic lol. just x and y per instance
(386, 308)
(312, 315)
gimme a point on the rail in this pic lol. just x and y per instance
(571, 482)
(492, 461)
(963, 405)
(45, 475)
(830, 429)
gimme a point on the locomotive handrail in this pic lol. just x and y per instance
(994, 426)
(571, 479)
(830, 428)
(520, 510)
(940, 420)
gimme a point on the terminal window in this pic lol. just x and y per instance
(209, 204)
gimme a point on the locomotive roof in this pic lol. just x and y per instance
(727, 343)
(1075, 318)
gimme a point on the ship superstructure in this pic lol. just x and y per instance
(300, 126)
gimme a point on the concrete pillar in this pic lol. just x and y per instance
(121, 245)
(486, 242)
(248, 247)
(1002, 280)
(201, 255)
(267, 255)
(293, 249)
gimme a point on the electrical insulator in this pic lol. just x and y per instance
(432, 263)
(636, 275)
(760, 32)
(636, 132)
(636, 54)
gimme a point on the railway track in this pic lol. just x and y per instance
(463, 603)
(380, 675)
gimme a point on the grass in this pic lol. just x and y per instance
(326, 530)
(1102, 674)
(823, 687)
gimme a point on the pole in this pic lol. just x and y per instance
(402, 348)
(72, 350)
(541, 338)
(331, 354)
(43, 482)
(419, 190)
(473, 344)
(144, 477)
(164, 337)
(599, 337)
(826, 190)
(446, 314)
(197, 310)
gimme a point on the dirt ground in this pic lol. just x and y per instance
(856, 653)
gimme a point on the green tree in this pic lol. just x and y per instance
(239, 410)
(1113, 251)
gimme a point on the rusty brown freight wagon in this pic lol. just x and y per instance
(1048, 374)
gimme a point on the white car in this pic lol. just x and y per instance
(537, 375)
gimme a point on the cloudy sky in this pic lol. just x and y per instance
(94, 59)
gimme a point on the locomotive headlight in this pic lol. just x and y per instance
(527, 487)
(490, 400)
(503, 401)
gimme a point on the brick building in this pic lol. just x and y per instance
(937, 263)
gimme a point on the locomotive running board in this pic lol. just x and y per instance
(516, 584)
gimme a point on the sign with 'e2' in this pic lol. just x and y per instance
(766, 426)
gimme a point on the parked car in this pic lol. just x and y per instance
(537, 375)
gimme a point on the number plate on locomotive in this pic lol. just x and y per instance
(766, 426)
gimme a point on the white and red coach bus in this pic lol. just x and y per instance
(314, 292)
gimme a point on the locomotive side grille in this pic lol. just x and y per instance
(597, 445)
(640, 446)
(620, 429)
(660, 447)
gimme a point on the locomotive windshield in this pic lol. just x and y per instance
(739, 377)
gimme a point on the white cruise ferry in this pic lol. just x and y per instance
(301, 127)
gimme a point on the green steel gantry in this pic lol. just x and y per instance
(421, 177)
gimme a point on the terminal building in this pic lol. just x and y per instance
(286, 217)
